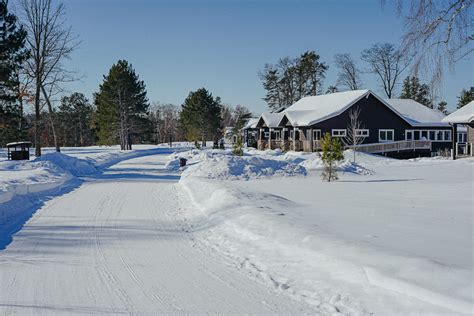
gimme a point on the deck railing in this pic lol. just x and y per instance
(393, 146)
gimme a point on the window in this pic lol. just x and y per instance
(277, 135)
(447, 135)
(439, 135)
(362, 132)
(462, 137)
(266, 134)
(432, 135)
(416, 135)
(424, 135)
(317, 134)
(339, 133)
(385, 135)
(409, 135)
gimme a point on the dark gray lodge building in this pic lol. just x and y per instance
(394, 127)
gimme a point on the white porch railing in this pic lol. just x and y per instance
(393, 146)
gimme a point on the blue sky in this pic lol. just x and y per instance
(180, 46)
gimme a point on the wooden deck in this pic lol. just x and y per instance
(397, 146)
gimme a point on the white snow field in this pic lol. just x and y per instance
(258, 234)
(119, 245)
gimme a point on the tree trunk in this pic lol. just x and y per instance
(37, 120)
(51, 118)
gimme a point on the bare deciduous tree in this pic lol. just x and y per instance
(165, 119)
(387, 63)
(437, 33)
(354, 134)
(349, 74)
(49, 42)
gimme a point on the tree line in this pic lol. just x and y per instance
(291, 79)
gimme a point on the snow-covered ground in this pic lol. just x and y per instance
(24, 185)
(391, 237)
(118, 244)
(255, 234)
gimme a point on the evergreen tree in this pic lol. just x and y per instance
(122, 107)
(292, 79)
(443, 107)
(331, 89)
(465, 97)
(413, 89)
(333, 151)
(74, 121)
(12, 55)
(200, 116)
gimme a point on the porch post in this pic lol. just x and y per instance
(270, 138)
(294, 138)
(311, 143)
(454, 138)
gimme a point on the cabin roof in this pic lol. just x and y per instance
(251, 123)
(416, 113)
(464, 115)
(272, 119)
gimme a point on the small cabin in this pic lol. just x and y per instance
(19, 150)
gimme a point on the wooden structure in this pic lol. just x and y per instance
(19, 150)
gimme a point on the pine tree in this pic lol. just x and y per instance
(443, 107)
(465, 97)
(12, 55)
(413, 89)
(74, 121)
(200, 116)
(331, 89)
(292, 79)
(122, 107)
(333, 152)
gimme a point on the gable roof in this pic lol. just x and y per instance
(272, 119)
(251, 123)
(313, 109)
(417, 113)
(463, 115)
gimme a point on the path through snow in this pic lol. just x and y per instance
(117, 244)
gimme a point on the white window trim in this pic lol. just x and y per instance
(362, 132)
(428, 131)
(315, 131)
(412, 134)
(277, 135)
(387, 140)
(266, 134)
(338, 133)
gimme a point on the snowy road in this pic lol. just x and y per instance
(117, 244)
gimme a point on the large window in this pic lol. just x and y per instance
(432, 135)
(339, 133)
(462, 137)
(276, 135)
(317, 134)
(447, 135)
(409, 135)
(386, 135)
(362, 132)
(439, 135)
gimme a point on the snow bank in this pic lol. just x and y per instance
(301, 245)
(235, 168)
(75, 166)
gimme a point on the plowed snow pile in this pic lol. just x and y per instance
(385, 239)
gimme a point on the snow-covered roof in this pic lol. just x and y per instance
(313, 109)
(416, 113)
(251, 123)
(463, 115)
(18, 144)
(272, 119)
